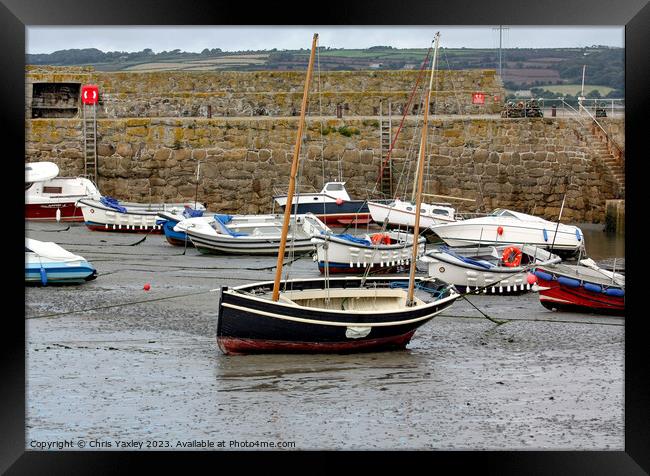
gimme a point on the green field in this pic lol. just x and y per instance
(574, 89)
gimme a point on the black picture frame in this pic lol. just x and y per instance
(634, 14)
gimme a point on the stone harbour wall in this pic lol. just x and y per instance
(268, 93)
(524, 164)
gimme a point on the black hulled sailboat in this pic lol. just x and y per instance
(335, 315)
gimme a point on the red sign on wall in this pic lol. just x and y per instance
(478, 98)
(89, 94)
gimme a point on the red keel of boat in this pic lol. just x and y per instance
(351, 219)
(175, 242)
(47, 212)
(236, 346)
(110, 228)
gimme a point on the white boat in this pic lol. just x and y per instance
(400, 213)
(383, 252)
(250, 234)
(48, 263)
(507, 226)
(50, 197)
(107, 214)
(501, 269)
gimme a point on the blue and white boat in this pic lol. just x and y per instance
(169, 220)
(382, 252)
(48, 263)
(500, 270)
(333, 205)
(251, 234)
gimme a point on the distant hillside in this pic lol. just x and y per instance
(522, 68)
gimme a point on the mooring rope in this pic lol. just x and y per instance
(48, 231)
(109, 306)
(552, 321)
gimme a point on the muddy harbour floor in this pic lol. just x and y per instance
(151, 371)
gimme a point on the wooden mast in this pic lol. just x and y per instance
(294, 170)
(420, 177)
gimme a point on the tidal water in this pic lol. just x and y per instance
(602, 245)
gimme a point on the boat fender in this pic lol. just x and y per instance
(339, 201)
(43, 276)
(594, 288)
(500, 230)
(572, 283)
(543, 275)
(357, 332)
(511, 257)
(545, 234)
(578, 235)
(615, 292)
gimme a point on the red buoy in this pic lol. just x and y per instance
(147, 286)
(531, 278)
(500, 231)
(339, 201)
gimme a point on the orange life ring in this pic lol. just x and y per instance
(383, 238)
(511, 257)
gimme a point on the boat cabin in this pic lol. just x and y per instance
(502, 212)
(336, 190)
(431, 210)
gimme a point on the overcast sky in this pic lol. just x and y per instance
(46, 39)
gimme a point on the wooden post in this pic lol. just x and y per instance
(294, 170)
(420, 179)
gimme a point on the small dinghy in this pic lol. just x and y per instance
(584, 287)
(250, 234)
(107, 214)
(48, 263)
(49, 197)
(383, 252)
(488, 269)
(169, 220)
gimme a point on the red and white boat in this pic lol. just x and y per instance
(49, 197)
(581, 288)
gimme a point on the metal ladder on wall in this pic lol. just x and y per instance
(89, 120)
(385, 131)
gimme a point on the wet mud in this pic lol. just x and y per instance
(109, 361)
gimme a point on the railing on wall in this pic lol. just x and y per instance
(597, 130)
(560, 108)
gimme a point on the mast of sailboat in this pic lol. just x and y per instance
(418, 195)
(294, 170)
